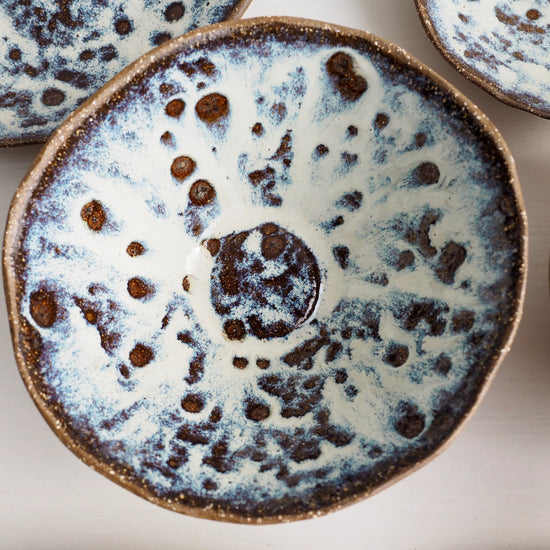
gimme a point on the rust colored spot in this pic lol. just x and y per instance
(258, 129)
(268, 228)
(15, 54)
(273, 246)
(350, 84)
(202, 193)
(139, 289)
(234, 329)
(263, 363)
(396, 355)
(533, 14)
(141, 355)
(168, 139)
(52, 97)
(183, 167)
(257, 411)
(240, 362)
(91, 316)
(381, 121)
(86, 55)
(186, 283)
(193, 403)
(212, 245)
(43, 308)
(175, 108)
(94, 215)
(426, 173)
(212, 108)
(135, 249)
(123, 26)
(174, 11)
(167, 89)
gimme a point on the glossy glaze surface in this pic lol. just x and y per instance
(265, 293)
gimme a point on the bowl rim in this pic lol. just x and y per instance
(48, 155)
(467, 71)
(5, 143)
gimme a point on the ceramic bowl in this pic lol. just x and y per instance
(266, 271)
(55, 54)
(501, 45)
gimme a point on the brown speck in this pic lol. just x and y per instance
(350, 84)
(141, 355)
(321, 150)
(234, 329)
(43, 308)
(426, 173)
(139, 289)
(396, 355)
(53, 97)
(193, 403)
(212, 108)
(273, 246)
(186, 283)
(175, 108)
(212, 245)
(94, 215)
(168, 139)
(86, 55)
(411, 422)
(263, 363)
(183, 167)
(15, 54)
(202, 193)
(381, 121)
(240, 362)
(135, 249)
(174, 11)
(167, 89)
(258, 129)
(123, 26)
(257, 411)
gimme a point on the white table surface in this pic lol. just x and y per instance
(489, 490)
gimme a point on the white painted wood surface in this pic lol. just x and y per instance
(489, 490)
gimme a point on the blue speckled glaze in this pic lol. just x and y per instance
(55, 53)
(505, 43)
(398, 192)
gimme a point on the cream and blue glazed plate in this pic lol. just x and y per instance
(266, 271)
(56, 53)
(501, 45)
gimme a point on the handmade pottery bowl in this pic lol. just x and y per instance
(266, 271)
(55, 54)
(501, 45)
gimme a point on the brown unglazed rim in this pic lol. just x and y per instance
(467, 71)
(71, 129)
(236, 13)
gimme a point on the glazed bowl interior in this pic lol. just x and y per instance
(266, 271)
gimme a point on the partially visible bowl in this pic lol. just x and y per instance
(267, 271)
(56, 54)
(501, 45)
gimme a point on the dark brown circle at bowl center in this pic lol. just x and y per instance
(266, 281)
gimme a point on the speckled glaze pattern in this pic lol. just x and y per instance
(501, 45)
(270, 273)
(55, 53)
